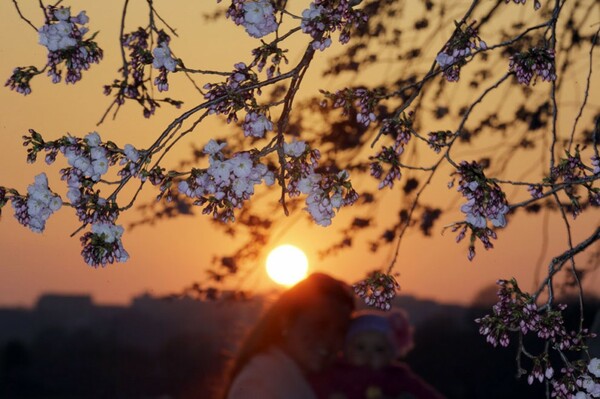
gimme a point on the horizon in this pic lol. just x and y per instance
(482, 300)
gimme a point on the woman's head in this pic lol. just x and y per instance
(314, 317)
(308, 322)
(375, 339)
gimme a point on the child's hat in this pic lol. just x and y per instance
(394, 324)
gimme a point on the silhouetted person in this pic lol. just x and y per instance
(301, 333)
(370, 369)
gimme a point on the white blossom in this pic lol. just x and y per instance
(312, 12)
(220, 170)
(74, 195)
(57, 36)
(241, 165)
(63, 13)
(444, 59)
(294, 149)
(259, 18)
(100, 167)
(107, 231)
(81, 18)
(240, 187)
(594, 367)
(269, 178)
(256, 125)
(93, 139)
(212, 147)
(336, 200)
(131, 153)
(41, 203)
(163, 58)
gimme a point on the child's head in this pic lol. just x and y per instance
(375, 339)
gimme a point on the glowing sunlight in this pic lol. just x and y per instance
(287, 264)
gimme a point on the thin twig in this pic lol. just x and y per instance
(573, 267)
(22, 16)
(587, 90)
(557, 262)
(555, 15)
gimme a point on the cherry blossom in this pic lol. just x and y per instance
(257, 16)
(538, 61)
(377, 290)
(461, 45)
(40, 203)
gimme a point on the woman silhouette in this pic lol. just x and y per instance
(300, 334)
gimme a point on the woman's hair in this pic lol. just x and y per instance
(268, 330)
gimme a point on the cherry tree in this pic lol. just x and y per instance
(457, 75)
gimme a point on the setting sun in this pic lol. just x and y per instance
(287, 264)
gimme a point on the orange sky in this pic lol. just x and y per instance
(172, 254)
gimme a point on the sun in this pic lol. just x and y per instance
(287, 264)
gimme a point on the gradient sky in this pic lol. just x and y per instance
(171, 254)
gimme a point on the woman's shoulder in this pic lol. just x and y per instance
(270, 375)
(269, 365)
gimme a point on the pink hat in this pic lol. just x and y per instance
(394, 324)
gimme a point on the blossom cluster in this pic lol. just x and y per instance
(229, 97)
(269, 52)
(569, 170)
(377, 290)
(326, 192)
(59, 34)
(324, 17)
(400, 129)
(536, 190)
(485, 202)
(588, 383)
(577, 381)
(256, 124)
(133, 84)
(439, 139)
(130, 160)
(40, 203)
(103, 245)
(461, 45)
(89, 160)
(362, 100)
(20, 79)
(163, 61)
(139, 56)
(485, 199)
(62, 35)
(538, 61)
(485, 235)
(596, 164)
(516, 311)
(256, 16)
(227, 183)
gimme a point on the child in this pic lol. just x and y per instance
(370, 370)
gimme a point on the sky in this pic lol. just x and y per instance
(170, 255)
